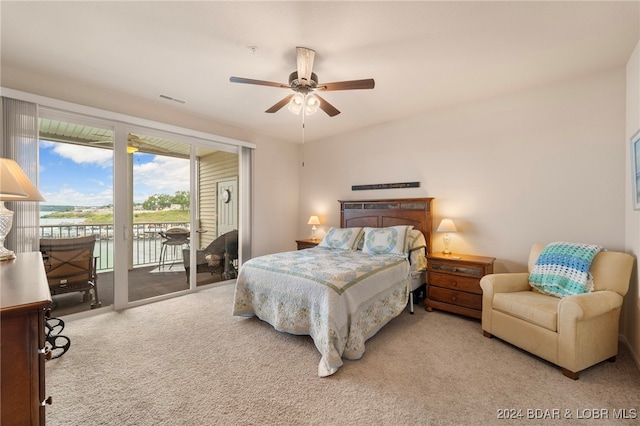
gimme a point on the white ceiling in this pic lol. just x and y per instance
(423, 55)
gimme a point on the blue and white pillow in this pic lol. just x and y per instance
(341, 238)
(389, 240)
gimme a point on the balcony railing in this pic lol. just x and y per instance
(147, 242)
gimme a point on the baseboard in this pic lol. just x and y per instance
(636, 359)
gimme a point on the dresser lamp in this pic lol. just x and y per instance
(446, 226)
(14, 186)
(313, 220)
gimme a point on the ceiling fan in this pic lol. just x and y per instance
(304, 83)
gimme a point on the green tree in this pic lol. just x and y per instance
(182, 198)
(157, 202)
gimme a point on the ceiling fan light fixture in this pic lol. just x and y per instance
(311, 104)
(296, 103)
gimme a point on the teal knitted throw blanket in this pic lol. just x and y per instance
(562, 269)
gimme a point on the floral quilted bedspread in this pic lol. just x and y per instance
(340, 298)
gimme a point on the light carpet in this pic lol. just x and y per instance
(188, 361)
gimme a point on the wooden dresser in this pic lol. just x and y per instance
(24, 303)
(454, 283)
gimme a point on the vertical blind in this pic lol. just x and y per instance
(20, 143)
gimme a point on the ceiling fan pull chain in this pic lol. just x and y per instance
(303, 137)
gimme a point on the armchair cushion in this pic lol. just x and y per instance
(531, 306)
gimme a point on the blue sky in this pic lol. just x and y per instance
(83, 176)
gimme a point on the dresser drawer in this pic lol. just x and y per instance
(455, 282)
(458, 298)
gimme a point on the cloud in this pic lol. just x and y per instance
(162, 175)
(89, 180)
(72, 197)
(82, 154)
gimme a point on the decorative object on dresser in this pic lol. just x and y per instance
(454, 283)
(24, 305)
(446, 226)
(14, 186)
(313, 220)
(307, 243)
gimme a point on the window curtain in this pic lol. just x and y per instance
(20, 143)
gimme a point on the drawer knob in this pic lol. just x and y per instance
(455, 283)
(46, 352)
(453, 298)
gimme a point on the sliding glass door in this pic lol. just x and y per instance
(159, 205)
(76, 179)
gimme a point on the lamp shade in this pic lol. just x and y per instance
(313, 220)
(14, 183)
(446, 225)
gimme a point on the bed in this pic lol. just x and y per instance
(348, 287)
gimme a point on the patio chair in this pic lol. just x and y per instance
(71, 267)
(173, 237)
(219, 257)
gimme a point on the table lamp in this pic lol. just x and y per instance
(313, 220)
(446, 226)
(14, 186)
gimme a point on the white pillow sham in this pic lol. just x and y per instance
(389, 240)
(341, 238)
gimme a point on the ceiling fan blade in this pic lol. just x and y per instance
(258, 82)
(368, 83)
(327, 107)
(280, 104)
(305, 58)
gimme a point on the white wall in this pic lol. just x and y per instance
(542, 165)
(631, 309)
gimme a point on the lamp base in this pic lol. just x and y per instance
(6, 254)
(446, 240)
(6, 220)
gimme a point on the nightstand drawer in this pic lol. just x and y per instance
(458, 298)
(451, 267)
(455, 282)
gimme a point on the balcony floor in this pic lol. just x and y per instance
(143, 284)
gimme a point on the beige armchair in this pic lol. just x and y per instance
(573, 332)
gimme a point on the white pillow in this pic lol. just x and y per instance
(341, 238)
(389, 240)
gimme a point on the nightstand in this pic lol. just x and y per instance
(307, 243)
(454, 283)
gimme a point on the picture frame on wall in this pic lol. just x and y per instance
(635, 169)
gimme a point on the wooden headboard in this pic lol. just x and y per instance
(392, 212)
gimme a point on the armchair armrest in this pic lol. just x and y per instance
(588, 305)
(505, 283)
